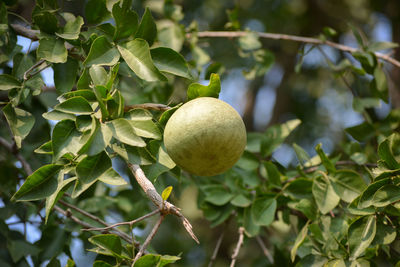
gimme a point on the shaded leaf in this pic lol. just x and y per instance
(20, 122)
(263, 210)
(109, 242)
(102, 52)
(72, 28)
(348, 184)
(147, 28)
(8, 82)
(96, 11)
(65, 75)
(38, 185)
(126, 20)
(75, 105)
(52, 50)
(324, 195)
(123, 130)
(170, 61)
(361, 233)
(386, 195)
(65, 139)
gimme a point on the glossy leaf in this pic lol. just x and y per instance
(361, 233)
(324, 194)
(52, 50)
(386, 195)
(196, 90)
(134, 155)
(108, 242)
(20, 122)
(56, 115)
(136, 54)
(123, 130)
(147, 28)
(366, 198)
(65, 139)
(40, 184)
(100, 137)
(126, 20)
(72, 28)
(75, 105)
(348, 184)
(170, 61)
(102, 52)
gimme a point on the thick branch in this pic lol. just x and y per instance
(164, 206)
(25, 32)
(294, 38)
(238, 246)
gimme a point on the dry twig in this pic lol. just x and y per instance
(238, 246)
(217, 246)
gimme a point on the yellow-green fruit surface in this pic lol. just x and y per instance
(205, 136)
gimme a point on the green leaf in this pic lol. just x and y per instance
(173, 36)
(123, 130)
(163, 164)
(8, 82)
(52, 50)
(108, 242)
(299, 188)
(19, 249)
(324, 195)
(241, 200)
(386, 195)
(46, 148)
(99, 77)
(147, 129)
(134, 155)
(360, 104)
(217, 194)
(96, 11)
(362, 132)
(301, 154)
(385, 234)
(72, 28)
(46, 21)
(377, 46)
(263, 210)
(354, 209)
(56, 115)
(170, 61)
(20, 122)
(54, 263)
(147, 28)
(150, 260)
(38, 185)
(112, 177)
(273, 175)
(102, 52)
(249, 225)
(308, 208)
(65, 75)
(65, 139)
(101, 264)
(89, 170)
(75, 105)
(299, 240)
(366, 198)
(85, 93)
(381, 82)
(62, 186)
(275, 135)
(100, 137)
(166, 192)
(196, 90)
(167, 114)
(385, 151)
(361, 233)
(328, 164)
(348, 184)
(126, 20)
(136, 53)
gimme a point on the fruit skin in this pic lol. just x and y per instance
(205, 136)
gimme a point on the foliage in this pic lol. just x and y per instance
(340, 209)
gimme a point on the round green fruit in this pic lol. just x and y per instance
(205, 136)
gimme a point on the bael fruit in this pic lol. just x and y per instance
(205, 136)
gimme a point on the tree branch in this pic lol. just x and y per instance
(130, 223)
(217, 246)
(164, 206)
(25, 32)
(12, 149)
(265, 250)
(294, 38)
(150, 106)
(149, 238)
(238, 246)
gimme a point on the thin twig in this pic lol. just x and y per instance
(130, 223)
(238, 246)
(72, 217)
(164, 206)
(150, 106)
(96, 219)
(28, 71)
(216, 249)
(294, 38)
(148, 239)
(265, 249)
